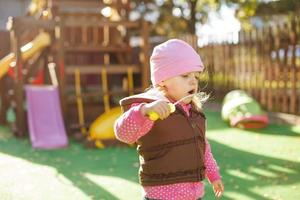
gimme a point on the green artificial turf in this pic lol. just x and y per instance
(255, 165)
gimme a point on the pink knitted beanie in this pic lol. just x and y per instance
(172, 58)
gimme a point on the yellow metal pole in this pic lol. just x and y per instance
(130, 80)
(105, 90)
(79, 102)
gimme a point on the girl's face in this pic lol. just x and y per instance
(180, 86)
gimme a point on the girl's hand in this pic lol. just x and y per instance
(218, 188)
(161, 107)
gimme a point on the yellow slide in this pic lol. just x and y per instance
(39, 43)
(102, 128)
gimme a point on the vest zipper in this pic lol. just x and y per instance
(197, 146)
(194, 126)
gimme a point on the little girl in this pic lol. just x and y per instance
(174, 153)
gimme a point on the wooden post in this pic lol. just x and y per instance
(243, 62)
(230, 62)
(225, 67)
(256, 70)
(269, 64)
(18, 81)
(284, 33)
(293, 39)
(261, 66)
(210, 67)
(276, 69)
(239, 62)
(251, 64)
(144, 54)
(235, 65)
(59, 29)
(3, 100)
(247, 56)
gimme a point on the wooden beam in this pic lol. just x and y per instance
(99, 22)
(96, 69)
(88, 4)
(21, 24)
(100, 94)
(76, 3)
(106, 49)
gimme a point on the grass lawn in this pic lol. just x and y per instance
(256, 165)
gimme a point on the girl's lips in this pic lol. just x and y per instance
(191, 91)
(184, 99)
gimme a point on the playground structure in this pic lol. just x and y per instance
(92, 54)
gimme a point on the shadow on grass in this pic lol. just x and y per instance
(275, 129)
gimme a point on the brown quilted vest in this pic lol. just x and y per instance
(173, 150)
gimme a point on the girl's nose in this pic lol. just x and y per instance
(193, 79)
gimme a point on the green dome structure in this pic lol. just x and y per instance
(241, 110)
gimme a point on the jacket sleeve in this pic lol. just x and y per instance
(132, 125)
(212, 169)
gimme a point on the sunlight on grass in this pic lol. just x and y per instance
(296, 129)
(22, 179)
(282, 169)
(262, 172)
(240, 174)
(235, 195)
(120, 188)
(274, 145)
(275, 191)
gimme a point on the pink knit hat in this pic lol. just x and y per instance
(172, 58)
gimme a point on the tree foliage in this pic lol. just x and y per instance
(175, 17)
(266, 10)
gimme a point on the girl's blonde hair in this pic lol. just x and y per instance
(197, 101)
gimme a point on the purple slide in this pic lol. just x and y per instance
(45, 121)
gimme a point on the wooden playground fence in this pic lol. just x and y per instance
(265, 62)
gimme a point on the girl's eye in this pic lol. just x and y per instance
(197, 75)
